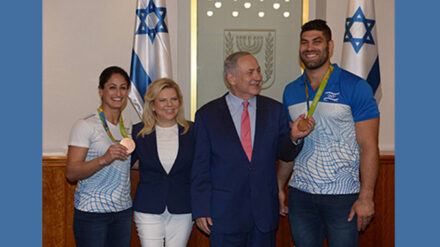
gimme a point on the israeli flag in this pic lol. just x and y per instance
(151, 57)
(359, 51)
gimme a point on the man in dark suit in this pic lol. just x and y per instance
(234, 192)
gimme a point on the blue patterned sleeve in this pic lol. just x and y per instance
(363, 104)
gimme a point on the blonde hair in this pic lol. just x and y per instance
(149, 117)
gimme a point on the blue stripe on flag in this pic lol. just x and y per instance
(374, 76)
(139, 77)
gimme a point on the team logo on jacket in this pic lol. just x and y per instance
(331, 96)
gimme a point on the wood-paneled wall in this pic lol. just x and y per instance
(58, 209)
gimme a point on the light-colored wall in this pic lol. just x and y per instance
(81, 38)
(274, 57)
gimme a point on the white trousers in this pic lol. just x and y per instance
(156, 229)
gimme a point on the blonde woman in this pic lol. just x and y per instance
(164, 147)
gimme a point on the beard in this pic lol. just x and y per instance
(311, 65)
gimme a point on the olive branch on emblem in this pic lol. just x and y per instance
(229, 44)
(268, 55)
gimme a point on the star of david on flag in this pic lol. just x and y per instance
(359, 51)
(151, 55)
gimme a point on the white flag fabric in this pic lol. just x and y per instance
(151, 56)
(359, 51)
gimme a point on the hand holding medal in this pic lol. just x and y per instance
(308, 124)
(126, 141)
(302, 124)
(129, 144)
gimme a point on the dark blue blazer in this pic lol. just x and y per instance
(235, 193)
(156, 188)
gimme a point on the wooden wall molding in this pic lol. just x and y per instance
(386, 158)
(58, 209)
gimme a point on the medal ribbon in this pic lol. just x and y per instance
(311, 110)
(107, 130)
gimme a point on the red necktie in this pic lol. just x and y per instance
(246, 140)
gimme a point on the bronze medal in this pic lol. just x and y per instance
(129, 144)
(302, 125)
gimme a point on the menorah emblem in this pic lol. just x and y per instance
(249, 43)
(253, 41)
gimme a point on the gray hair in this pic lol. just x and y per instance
(230, 64)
